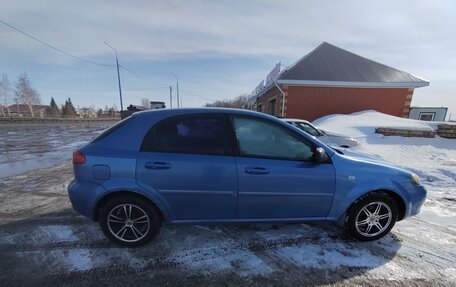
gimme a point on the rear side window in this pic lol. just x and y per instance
(200, 134)
(110, 130)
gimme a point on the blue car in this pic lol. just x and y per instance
(205, 165)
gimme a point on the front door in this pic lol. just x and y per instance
(277, 175)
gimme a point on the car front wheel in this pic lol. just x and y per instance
(129, 221)
(372, 216)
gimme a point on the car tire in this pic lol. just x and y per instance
(372, 216)
(129, 221)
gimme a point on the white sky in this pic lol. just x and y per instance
(218, 49)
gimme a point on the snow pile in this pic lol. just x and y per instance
(364, 123)
(433, 159)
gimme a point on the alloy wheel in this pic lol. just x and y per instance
(373, 219)
(128, 222)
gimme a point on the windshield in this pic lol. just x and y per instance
(308, 129)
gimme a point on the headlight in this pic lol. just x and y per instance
(415, 179)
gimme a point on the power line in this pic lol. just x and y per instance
(86, 61)
(137, 75)
(54, 48)
(101, 90)
(197, 96)
(73, 56)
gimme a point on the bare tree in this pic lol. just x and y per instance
(236, 103)
(5, 94)
(26, 94)
(145, 103)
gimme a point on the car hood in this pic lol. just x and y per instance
(334, 134)
(359, 155)
(370, 159)
(338, 139)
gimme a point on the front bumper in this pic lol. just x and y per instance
(417, 197)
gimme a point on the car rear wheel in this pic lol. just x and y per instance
(372, 216)
(129, 221)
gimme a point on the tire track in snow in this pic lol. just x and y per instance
(158, 263)
(252, 245)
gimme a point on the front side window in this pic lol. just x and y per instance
(201, 134)
(260, 138)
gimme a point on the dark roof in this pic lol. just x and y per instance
(329, 65)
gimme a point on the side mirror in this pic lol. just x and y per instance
(320, 155)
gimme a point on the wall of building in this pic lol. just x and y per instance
(311, 103)
(263, 103)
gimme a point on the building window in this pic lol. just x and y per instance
(260, 108)
(272, 107)
(427, 117)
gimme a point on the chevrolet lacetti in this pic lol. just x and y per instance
(215, 165)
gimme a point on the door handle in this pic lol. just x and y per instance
(256, 170)
(156, 165)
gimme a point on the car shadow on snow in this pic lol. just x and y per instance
(65, 247)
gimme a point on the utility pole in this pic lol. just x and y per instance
(177, 89)
(118, 76)
(170, 96)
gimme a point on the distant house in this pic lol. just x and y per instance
(428, 113)
(331, 80)
(87, 113)
(157, 105)
(23, 110)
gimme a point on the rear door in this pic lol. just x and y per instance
(189, 161)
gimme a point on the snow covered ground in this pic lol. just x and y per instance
(433, 159)
(43, 242)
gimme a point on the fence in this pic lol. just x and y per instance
(447, 131)
(443, 130)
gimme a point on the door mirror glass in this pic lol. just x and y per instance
(320, 155)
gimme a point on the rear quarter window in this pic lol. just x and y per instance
(111, 130)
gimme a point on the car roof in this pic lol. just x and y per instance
(164, 113)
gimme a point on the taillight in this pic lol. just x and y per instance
(78, 157)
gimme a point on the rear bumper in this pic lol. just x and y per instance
(84, 196)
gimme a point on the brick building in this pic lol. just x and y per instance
(331, 80)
